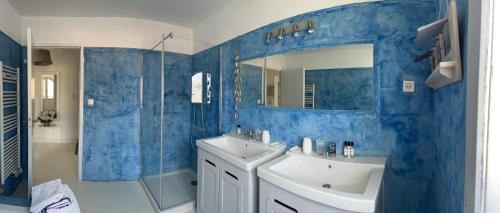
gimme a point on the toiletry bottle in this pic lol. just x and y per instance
(352, 149)
(266, 137)
(238, 129)
(345, 148)
(320, 146)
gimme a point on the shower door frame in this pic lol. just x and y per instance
(157, 204)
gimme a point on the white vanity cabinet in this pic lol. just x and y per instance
(276, 200)
(223, 188)
(208, 179)
(227, 173)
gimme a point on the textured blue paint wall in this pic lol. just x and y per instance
(111, 126)
(11, 54)
(177, 113)
(150, 114)
(342, 89)
(179, 138)
(251, 85)
(206, 125)
(401, 122)
(449, 109)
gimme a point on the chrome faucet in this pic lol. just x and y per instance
(251, 134)
(332, 150)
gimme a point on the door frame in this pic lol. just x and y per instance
(479, 43)
(80, 105)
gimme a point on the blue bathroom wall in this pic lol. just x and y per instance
(401, 124)
(206, 124)
(11, 54)
(251, 85)
(111, 127)
(177, 112)
(342, 89)
(183, 122)
(449, 109)
(128, 146)
(150, 114)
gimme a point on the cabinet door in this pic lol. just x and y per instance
(209, 186)
(276, 206)
(230, 193)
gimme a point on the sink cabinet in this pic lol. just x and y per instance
(224, 188)
(273, 199)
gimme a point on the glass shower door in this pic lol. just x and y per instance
(151, 125)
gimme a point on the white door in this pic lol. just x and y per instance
(29, 65)
(292, 82)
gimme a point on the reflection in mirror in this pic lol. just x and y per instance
(252, 76)
(335, 78)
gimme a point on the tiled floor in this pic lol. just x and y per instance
(52, 161)
(12, 209)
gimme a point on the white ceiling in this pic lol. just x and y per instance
(187, 13)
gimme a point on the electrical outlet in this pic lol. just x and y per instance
(90, 102)
(408, 86)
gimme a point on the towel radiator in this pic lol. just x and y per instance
(309, 95)
(10, 150)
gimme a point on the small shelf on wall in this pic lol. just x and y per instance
(447, 65)
(442, 75)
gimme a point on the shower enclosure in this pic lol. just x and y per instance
(170, 123)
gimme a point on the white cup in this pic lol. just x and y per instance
(307, 146)
(266, 137)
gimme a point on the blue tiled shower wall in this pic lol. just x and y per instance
(206, 116)
(12, 54)
(343, 88)
(449, 110)
(112, 80)
(400, 125)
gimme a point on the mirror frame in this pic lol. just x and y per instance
(57, 91)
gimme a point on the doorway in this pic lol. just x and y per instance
(55, 100)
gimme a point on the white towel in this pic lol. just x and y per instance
(55, 194)
(72, 208)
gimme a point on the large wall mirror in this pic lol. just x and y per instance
(333, 78)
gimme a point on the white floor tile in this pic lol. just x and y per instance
(53, 161)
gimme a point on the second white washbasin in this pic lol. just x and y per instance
(351, 184)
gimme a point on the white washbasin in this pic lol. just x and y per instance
(354, 182)
(243, 153)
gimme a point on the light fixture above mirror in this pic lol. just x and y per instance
(294, 29)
